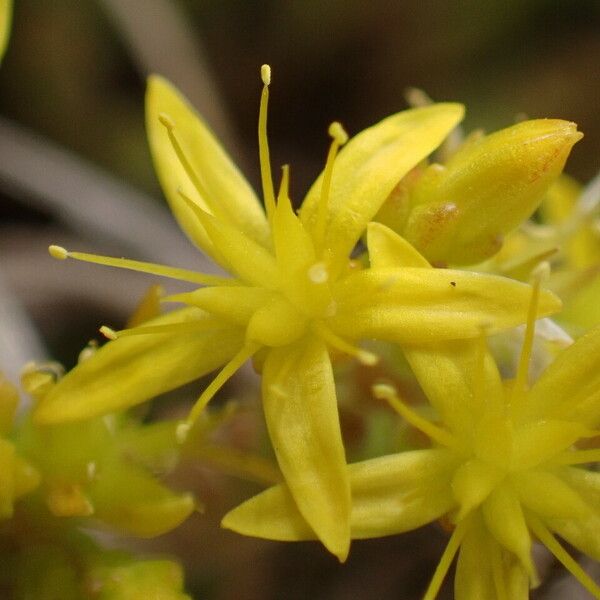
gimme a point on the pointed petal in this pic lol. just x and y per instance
(234, 304)
(388, 249)
(238, 205)
(581, 532)
(5, 24)
(570, 386)
(503, 516)
(301, 412)
(390, 494)
(127, 498)
(449, 374)
(483, 564)
(415, 306)
(135, 368)
(368, 168)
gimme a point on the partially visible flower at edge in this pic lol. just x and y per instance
(503, 470)
(294, 297)
(6, 9)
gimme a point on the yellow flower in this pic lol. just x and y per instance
(294, 296)
(6, 10)
(503, 469)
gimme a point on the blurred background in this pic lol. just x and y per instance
(75, 170)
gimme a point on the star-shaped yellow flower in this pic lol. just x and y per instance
(503, 469)
(294, 296)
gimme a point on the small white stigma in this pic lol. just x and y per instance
(338, 133)
(367, 358)
(58, 252)
(318, 273)
(108, 333)
(265, 74)
(384, 391)
(167, 121)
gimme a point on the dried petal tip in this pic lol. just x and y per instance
(108, 333)
(58, 252)
(338, 133)
(265, 74)
(166, 120)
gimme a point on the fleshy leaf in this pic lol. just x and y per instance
(135, 368)
(237, 204)
(416, 306)
(301, 412)
(369, 166)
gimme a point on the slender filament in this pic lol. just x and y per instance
(263, 144)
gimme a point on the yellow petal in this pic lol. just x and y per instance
(9, 399)
(136, 368)
(132, 501)
(504, 518)
(302, 418)
(369, 166)
(549, 496)
(238, 205)
(234, 304)
(472, 483)
(388, 249)
(390, 494)
(581, 532)
(462, 211)
(415, 306)
(570, 386)
(486, 570)
(7, 478)
(450, 374)
(6, 7)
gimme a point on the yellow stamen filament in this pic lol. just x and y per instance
(539, 273)
(169, 124)
(339, 138)
(363, 356)
(444, 565)
(169, 329)
(546, 537)
(435, 433)
(143, 267)
(219, 381)
(263, 144)
(577, 457)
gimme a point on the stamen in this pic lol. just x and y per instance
(143, 267)
(217, 383)
(169, 124)
(363, 356)
(546, 537)
(447, 557)
(263, 144)
(437, 434)
(339, 138)
(170, 328)
(539, 274)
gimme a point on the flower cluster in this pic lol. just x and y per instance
(390, 253)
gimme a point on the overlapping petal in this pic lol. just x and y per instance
(368, 168)
(5, 24)
(414, 306)
(390, 494)
(301, 412)
(135, 368)
(230, 196)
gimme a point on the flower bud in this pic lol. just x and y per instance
(460, 212)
